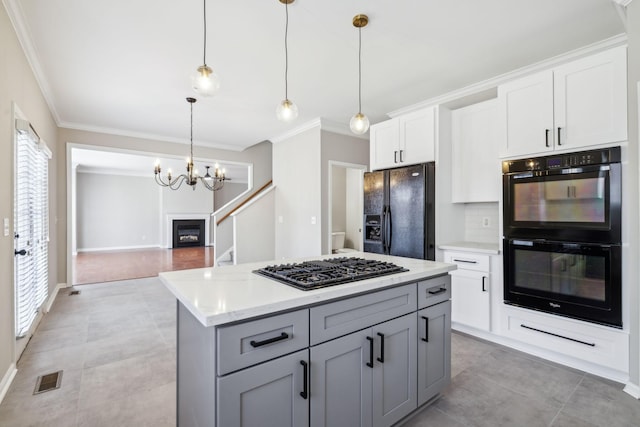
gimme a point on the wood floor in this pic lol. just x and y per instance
(108, 266)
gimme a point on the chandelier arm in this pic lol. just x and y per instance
(177, 183)
(159, 180)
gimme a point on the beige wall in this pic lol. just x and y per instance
(631, 269)
(18, 84)
(259, 155)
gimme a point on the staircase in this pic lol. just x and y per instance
(246, 232)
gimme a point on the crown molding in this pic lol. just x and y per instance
(323, 124)
(16, 16)
(147, 136)
(493, 82)
(624, 3)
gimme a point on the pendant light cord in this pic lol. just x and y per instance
(286, 51)
(359, 69)
(204, 15)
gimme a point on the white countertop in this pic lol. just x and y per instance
(220, 295)
(484, 248)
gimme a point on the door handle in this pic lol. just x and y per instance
(305, 385)
(395, 156)
(546, 137)
(401, 156)
(381, 358)
(559, 142)
(484, 286)
(426, 329)
(20, 252)
(370, 362)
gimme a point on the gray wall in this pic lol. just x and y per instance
(18, 84)
(115, 211)
(230, 191)
(338, 199)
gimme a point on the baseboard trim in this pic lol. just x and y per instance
(117, 248)
(52, 297)
(7, 379)
(633, 390)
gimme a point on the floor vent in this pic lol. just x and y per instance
(48, 382)
(74, 292)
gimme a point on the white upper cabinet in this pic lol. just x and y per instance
(475, 169)
(405, 140)
(576, 105)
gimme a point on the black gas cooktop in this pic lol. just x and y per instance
(321, 273)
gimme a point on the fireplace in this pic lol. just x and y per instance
(188, 233)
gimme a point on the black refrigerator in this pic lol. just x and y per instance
(399, 212)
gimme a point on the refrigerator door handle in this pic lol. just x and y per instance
(383, 229)
(389, 230)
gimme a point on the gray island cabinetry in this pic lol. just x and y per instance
(255, 352)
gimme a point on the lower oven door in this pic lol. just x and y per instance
(571, 279)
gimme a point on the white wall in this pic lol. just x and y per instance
(254, 228)
(116, 212)
(474, 229)
(296, 175)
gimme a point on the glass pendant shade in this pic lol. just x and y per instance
(359, 124)
(287, 111)
(205, 82)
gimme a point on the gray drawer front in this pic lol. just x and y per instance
(343, 317)
(235, 350)
(430, 291)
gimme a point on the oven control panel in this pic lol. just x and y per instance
(561, 161)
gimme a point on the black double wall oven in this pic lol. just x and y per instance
(562, 234)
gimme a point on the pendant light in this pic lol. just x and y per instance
(205, 82)
(359, 123)
(286, 110)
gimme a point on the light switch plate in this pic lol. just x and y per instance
(6, 226)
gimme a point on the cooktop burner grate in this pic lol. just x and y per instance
(321, 273)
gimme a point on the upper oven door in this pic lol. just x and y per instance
(579, 204)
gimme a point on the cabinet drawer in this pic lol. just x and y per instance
(253, 342)
(434, 291)
(468, 260)
(593, 343)
(343, 317)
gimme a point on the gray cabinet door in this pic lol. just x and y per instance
(341, 382)
(394, 373)
(434, 350)
(266, 395)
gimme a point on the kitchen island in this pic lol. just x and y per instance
(255, 352)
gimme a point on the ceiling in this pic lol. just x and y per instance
(124, 66)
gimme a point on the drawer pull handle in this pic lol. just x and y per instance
(305, 385)
(282, 336)
(590, 344)
(465, 260)
(381, 358)
(370, 362)
(438, 291)
(426, 329)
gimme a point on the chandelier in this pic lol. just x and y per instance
(211, 182)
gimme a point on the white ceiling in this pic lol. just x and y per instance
(124, 66)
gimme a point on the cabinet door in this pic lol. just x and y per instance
(526, 106)
(470, 298)
(394, 373)
(434, 350)
(417, 137)
(265, 395)
(341, 382)
(475, 167)
(384, 140)
(590, 98)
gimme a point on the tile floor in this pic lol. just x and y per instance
(116, 345)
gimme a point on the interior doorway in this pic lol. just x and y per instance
(345, 207)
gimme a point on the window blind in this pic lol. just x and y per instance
(31, 225)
